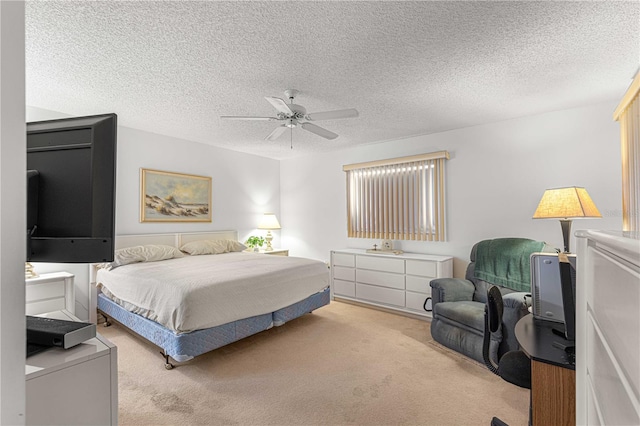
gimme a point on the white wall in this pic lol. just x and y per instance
(12, 214)
(495, 178)
(243, 188)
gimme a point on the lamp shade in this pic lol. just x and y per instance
(565, 203)
(269, 221)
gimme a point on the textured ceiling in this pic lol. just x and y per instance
(410, 68)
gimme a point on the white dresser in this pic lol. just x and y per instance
(608, 328)
(398, 282)
(75, 386)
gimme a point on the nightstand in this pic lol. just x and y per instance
(276, 252)
(50, 292)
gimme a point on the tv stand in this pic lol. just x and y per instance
(553, 377)
(567, 345)
(75, 386)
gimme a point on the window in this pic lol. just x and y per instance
(397, 199)
(628, 114)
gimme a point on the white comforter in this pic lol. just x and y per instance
(196, 292)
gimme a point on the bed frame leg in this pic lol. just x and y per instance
(167, 364)
(106, 322)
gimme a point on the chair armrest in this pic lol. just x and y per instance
(518, 300)
(451, 290)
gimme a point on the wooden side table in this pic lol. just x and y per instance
(553, 375)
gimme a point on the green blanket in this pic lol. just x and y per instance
(506, 262)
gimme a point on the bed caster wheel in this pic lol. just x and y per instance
(167, 364)
(106, 324)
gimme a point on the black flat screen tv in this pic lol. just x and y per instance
(71, 189)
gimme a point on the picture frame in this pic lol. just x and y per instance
(174, 197)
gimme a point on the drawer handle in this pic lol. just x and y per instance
(428, 299)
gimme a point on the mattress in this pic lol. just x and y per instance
(198, 292)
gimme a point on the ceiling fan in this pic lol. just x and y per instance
(292, 115)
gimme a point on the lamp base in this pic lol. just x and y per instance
(29, 272)
(268, 239)
(565, 224)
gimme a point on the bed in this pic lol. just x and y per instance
(192, 303)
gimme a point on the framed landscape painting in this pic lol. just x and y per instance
(174, 197)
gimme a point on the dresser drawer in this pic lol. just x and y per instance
(344, 288)
(342, 259)
(384, 295)
(418, 284)
(422, 268)
(384, 279)
(48, 290)
(384, 264)
(415, 301)
(342, 273)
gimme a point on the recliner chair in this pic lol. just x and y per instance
(458, 304)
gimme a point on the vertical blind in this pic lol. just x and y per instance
(397, 199)
(628, 114)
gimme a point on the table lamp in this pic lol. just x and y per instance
(269, 222)
(566, 204)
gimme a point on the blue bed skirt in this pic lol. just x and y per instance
(183, 347)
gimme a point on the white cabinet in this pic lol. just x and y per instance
(75, 386)
(398, 282)
(607, 324)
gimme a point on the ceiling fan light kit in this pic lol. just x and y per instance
(292, 115)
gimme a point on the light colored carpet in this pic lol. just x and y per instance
(341, 365)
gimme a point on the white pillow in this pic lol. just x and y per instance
(147, 253)
(195, 248)
(236, 245)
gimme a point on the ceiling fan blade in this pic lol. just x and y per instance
(319, 131)
(276, 133)
(279, 104)
(244, 117)
(332, 115)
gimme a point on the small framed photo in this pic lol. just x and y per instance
(174, 197)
